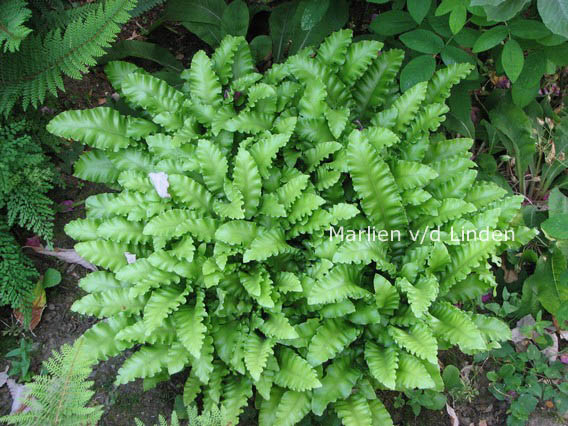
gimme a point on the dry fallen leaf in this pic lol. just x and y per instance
(67, 255)
(17, 391)
(453, 415)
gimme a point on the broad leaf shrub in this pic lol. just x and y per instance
(217, 250)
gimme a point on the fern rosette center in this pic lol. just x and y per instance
(226, 207)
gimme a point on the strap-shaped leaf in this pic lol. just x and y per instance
(358, 58)
(412, 374)
(257, 351)
(354, 411)
(191, 193)
(213, 165)
(102, 128)
(99, 342)
(455, 326)
(295, 373)
(340, 377)
(333, 48)
(371, 89)
(332, 337)
(95, 166)
(277, 326)
(169, 224)
(246, 177)
(375, 186)
(161, 303)
(121, 230)
(340, 283)
(410, 174)
(408, 103)
(107, 254)
(203, 83)
(109, 302)
(152, 94)
(443, 80)
(421, 295)
(381, 416)
(382, 362)
(146, 362)
(267, 243)
(189, 325)
(236, 394)
(418, 340)
(237, 232)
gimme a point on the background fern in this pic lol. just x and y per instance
(25, 177)
(44, 57)
(13, 14)
(17, 273)
(60, 396)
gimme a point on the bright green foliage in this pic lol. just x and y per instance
(231, 200)
(43, 57)
(61, 395)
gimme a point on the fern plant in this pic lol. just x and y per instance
(61, 396)
(217, 249)
(35, 64)
(17, 273)
(212, 417)
(25, 177)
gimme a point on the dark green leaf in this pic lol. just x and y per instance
(557, 203)
(392, 22)
(513, 59)
(418, 9)
(516, 135)
(201, 17)
(335, 18)
(51, 278)
(313, 12)
(528, 29)
(235, 20)
(423, 41)
(418, 69)
(142, 49)
(505, 10)
(281, 24)
(452, 378)
(554, 14)
(526, 87)
(457, 19)
(556, 226)
(490, 38)
(523, 406)
(261, 47)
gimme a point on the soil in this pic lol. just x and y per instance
(60, 325)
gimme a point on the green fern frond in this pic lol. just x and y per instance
(38, 66)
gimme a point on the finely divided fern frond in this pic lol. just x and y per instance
(13, 14)
(61, 395)
(42, 59)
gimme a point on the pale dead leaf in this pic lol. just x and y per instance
(516, 335)
(453, 416)
(102, 101)
(551, 352)
(161, 184)
(67, 255)
(130, 258)
(17, 391)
